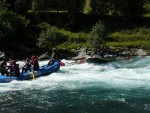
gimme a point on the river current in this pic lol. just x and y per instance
(119, 87)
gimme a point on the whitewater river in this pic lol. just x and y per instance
(119, 87)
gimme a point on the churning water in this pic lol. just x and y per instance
(119, 87)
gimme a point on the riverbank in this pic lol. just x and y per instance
(79, 54)
(83, 53)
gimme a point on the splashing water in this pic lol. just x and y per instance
(119, 87)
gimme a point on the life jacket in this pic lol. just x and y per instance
(10, 62)
(10, 68)
(27, 65)
(35, 63)
(16, 69)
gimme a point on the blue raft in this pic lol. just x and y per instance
(44, 70)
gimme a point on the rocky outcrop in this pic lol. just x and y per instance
(81, 54)
(141, 52)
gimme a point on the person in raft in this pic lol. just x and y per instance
(3, 65)
(35, 63)
(15, 70)
(27, 66)
(53, 57)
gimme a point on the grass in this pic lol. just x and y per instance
(135, 38)
(75, 40)
(139, 37)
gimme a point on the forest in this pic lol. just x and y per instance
(35, 26)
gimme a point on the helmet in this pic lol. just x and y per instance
(33, 57)
(13, 62)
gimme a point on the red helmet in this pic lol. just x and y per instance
(33, 57)
(13, 62)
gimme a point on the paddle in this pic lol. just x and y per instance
(32, 73)
(21, 67)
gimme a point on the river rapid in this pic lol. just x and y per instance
(119, 87)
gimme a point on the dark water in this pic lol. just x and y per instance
(83, 88)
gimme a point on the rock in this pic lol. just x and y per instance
(141, 52)
(81, 54)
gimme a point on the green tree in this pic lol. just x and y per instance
(3, 5)
(35, 5)
(11, 22)
(22, 6)
(75, 5)
(98, 35)
(69, 5)
(130, 8)
(11, 4)
(100, 7)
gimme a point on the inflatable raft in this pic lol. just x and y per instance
(44, 70)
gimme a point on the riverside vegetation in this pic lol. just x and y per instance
(35, 26)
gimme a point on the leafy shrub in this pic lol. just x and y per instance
(52, 36)
(98, 35)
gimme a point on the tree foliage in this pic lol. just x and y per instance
(100, 7)
(14, 15)
(65, 5)
(130, 8)
(3, 5)
(10, 22)
(50, 36)
(19, 6)
(98, 34)
(22, 6)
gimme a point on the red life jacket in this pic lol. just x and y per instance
(28, 65)
(35, 63)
